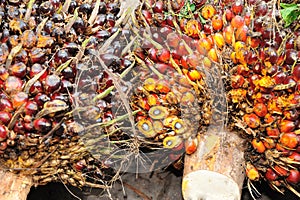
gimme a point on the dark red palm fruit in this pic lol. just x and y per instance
(290, 80)
(52, 83)
(19, 127)
(237, 21)
(271, 55)
(158, 37)
(169, 20)
(175, 55)
(3, 133)
(173, 40)
(37, 55)
(158, 7)
(250, 58)
(251, 120)
(181, 50)
(237, 7)
(5, 117)
(152, 54)
(243, 70)
(42, 125)
(290, 43)
(207, 29)
(272, 70)
(291, 114)
(80, 165)
(271, 175)
(257, 68)
(294, 176)
(280, 77)
(19, 99)
(162, 67)
(41, 98)
(148, 16)
(237, 81)
(260, 109)
(272, 132)
(146, 45)
(13, 84)
(31, 108)
(258, 25)
(60, 96)
(111, 19)
(193, 60)
(37, 68)
(228, 15)
(296, 72)
(61, 56)
(241, 33)
(66, 86)
(254, 42)
(37, 87)
(18, 70)
(261, 9)
(6, 105)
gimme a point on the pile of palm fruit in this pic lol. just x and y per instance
(92, 88)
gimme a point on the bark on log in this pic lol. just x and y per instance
(216, 170)
(14, 186)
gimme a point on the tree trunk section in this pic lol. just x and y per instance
(14, 186)
(216, 170)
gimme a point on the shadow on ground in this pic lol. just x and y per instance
(157, 186)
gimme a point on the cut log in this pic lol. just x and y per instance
(216, 170)
(14, 186)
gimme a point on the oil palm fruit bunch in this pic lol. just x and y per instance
(43, 46)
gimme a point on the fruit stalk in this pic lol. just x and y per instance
(215, 170)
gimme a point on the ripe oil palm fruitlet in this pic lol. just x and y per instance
(90, 88)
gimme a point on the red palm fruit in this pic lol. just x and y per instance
(269, 143)
(181, 50)
(31, 108)
(3, 133)
(260, 109)
(241, 33)
(237, 21)
(162, 67)
(3, 146)
(5, 117)
(13, 84)
(191, 145)
(229, 15)
(152, 54)
(291, 56)
(3, 73)
(237, 7)
(296, 72)
(243, 70)
(19, 127)
(228, 34)
(177, 5)
(208, 11)
(291, 114)
(289, 140)
(163, 55)
(207, 29)
(217, 22)
(42, 125)
(237, 81)
(283, 151)
(280, 170)
(294, 176)
(271, 175)
(6, 105)
(286, 126)
(258, 145)
(158, 7)
(19, 99)
(204, 45)
(173, 39)
(273, 132)
(295, 156)
(252, 120)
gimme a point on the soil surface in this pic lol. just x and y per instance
(157, 186)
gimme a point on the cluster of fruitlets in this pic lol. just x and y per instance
(43, 47)
(259, 59)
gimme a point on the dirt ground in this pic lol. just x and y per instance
(157, 186)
